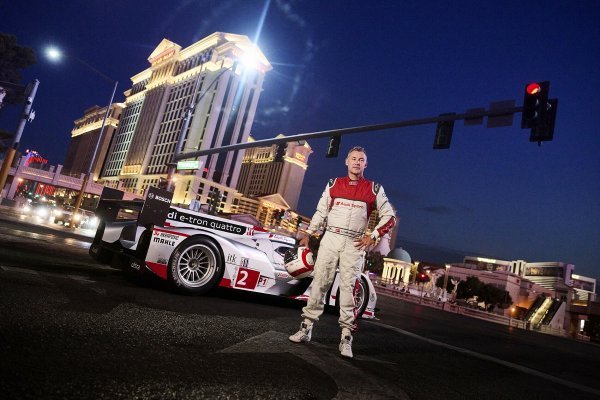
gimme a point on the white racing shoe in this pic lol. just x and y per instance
(303, 335)
(346, 345)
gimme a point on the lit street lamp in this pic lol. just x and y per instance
(55, 54)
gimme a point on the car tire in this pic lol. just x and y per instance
(361, 299)
(196, 266)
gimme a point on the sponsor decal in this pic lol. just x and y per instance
(244, 262)
(346, 204)
(283, 275)
(165, 237)
(231, 258)
(163, 241)
(135, 265)
(209, 223)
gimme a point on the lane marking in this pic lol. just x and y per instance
(495, 360)
(17, 269)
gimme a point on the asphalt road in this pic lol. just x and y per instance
(70, 328)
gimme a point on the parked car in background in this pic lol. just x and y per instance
(37, 210)
(82, 219)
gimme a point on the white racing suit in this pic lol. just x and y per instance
(345, 206)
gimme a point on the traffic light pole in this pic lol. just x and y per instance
(10, 153)
(346, 131)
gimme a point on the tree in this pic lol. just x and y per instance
(374, 262)
(472, 286)
(489, 294)
(13, 58)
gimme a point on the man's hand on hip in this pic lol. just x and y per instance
(364, 243)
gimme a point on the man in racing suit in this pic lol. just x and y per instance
(344, 207)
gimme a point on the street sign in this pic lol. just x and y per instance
(188, 164)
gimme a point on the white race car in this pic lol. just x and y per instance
(195, 252)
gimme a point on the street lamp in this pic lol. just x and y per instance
(54, 54)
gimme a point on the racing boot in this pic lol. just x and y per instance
(346, 344)
(304, 334)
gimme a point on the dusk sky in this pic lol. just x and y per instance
(340, 64)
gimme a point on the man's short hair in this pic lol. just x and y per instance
(357, 148)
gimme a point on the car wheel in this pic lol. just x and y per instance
(360, 299)
(196, 266)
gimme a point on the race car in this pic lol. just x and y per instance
(196, 252)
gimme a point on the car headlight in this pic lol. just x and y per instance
(76, 217)
(26, 209)
(42, 212)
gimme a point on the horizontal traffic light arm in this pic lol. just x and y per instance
(347, 131)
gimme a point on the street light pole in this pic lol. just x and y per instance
(10, 153)
(55, 54)
(92, 160)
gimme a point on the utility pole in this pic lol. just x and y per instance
(30, 92)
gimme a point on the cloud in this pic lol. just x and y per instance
(286, 8)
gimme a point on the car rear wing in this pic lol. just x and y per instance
(152, 211)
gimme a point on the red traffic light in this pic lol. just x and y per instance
(533, 88)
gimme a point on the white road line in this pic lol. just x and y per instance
(17, 269)
(493, 359)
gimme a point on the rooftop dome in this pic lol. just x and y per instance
(400, 254)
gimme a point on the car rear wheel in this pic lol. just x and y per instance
(196, 266)
(361, 298)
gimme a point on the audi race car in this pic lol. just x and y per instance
(195, 252)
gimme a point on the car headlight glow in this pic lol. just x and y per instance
(58, 213)
(42, 212)
(76, 217)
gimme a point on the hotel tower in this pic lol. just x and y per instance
(226, 74)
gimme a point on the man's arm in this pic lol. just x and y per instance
(387, 217)
(320, 214)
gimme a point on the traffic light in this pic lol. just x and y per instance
(214, 201)
(334, 146)
(534, 104)
(443, 133)
(539, 112)
(280, 151)
(544, 131)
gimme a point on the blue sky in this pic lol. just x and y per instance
(348, 63)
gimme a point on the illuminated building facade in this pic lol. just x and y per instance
(275, 169)
(226, 72)
(85, 136)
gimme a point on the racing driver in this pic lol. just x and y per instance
(344, 209)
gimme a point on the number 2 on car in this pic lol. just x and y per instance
(247, 278)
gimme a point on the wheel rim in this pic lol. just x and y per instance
(196, 265)
(359, 299)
